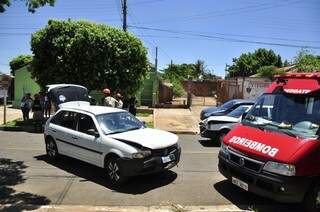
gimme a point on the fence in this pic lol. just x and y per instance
(243, 88)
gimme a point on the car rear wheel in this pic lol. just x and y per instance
(51, 149)
(312, 199)
(114, 171)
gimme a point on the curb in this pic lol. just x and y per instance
(161, 208)
(183, 132)
(12, 129)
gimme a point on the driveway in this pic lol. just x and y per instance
(29, 180)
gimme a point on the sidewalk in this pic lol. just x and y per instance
(175, 120)
(181, 120)
(12, 114)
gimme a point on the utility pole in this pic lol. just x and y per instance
(124, 13)
(156, 60)
(155, 82)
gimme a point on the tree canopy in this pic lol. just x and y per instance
(31, 4)
(249, 63)
(306, 61)
(19, 62)
(269, 71)
(92, 55)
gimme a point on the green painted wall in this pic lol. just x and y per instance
(146, 93)
(23, 83)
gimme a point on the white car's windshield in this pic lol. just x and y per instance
(239, 111)
(294, 115)
(111, 123)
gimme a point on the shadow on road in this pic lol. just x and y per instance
(245, 200)
(11, 200)
(135, 185)
(208, 143)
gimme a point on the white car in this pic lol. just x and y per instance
(216, 127)
(112, 139)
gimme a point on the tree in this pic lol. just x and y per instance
(31, 4)
(269, 71)
(307, 62)
(249, 63)
(19, 62)
(93, 55)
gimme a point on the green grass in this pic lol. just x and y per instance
(18, 123)
(14, 123)
(149, 124)
(144, 114)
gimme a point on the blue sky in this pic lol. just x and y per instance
(184, 30)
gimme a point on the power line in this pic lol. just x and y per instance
(154, 43)
(218, 13)
(145, 2)
(227, 39)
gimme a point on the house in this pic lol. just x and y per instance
(23, 83)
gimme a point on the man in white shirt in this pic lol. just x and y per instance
(109, 101)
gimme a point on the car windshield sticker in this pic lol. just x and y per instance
(62, 98)
(257, 146)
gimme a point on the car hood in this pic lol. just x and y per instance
(223, 119)
(211, 110)
(266, 145)
(150, 138)
(74, 104)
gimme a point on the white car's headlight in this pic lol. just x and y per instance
(280, 168)
(141, 154)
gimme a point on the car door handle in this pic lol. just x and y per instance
(53, 130)
(74, 137)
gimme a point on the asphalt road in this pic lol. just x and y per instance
(28, 178)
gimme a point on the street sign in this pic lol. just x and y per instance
(5, 81)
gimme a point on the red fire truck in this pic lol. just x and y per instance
(277, 154)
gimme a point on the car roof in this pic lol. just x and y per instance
(96, 110)
(53, 86)
(243, 101)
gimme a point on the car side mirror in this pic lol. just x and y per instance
(243, 115)
(93, 132)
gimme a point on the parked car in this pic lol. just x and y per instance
(276, 155)
(112, 139)
(224, 108)
(62, 95)
(216, 127)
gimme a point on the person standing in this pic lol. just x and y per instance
(41, 98)
(119, 103)
(26, 104)
(37, 113)
(47, 106)
(109, 101)
(132, 106)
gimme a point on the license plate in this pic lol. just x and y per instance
(168, 158)
(239, 183)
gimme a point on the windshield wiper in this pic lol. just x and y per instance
(283, 128)
(115, 132)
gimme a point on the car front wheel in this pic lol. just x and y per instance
(312, 199)
(114, 171)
